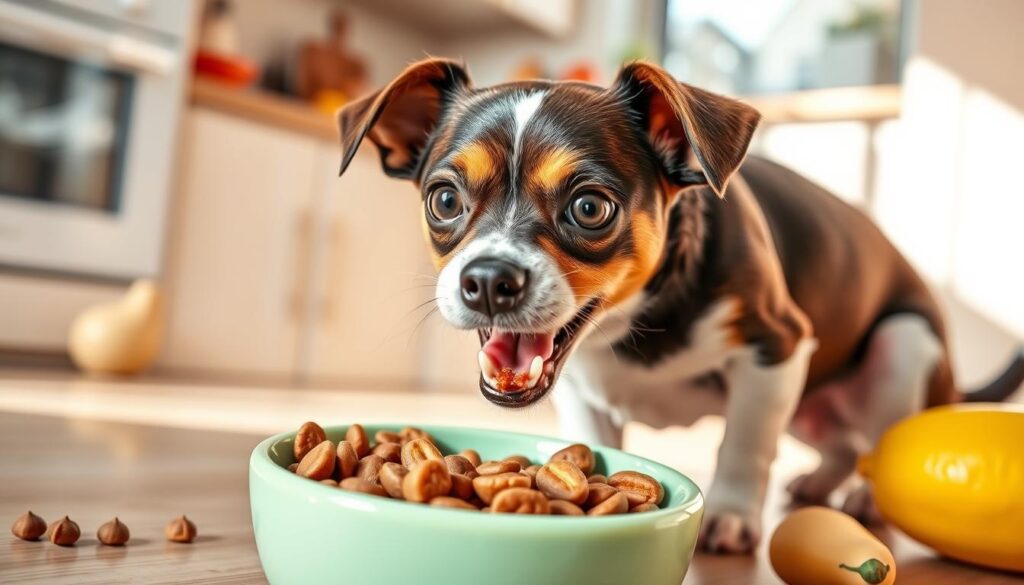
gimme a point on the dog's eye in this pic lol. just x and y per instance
(590, 211)
(444, 204)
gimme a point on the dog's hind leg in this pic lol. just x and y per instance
(839, 451)
(904, 358)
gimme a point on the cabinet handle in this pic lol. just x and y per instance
(296, 303)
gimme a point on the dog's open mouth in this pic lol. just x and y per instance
(517, 369)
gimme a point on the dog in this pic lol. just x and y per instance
(618, 241)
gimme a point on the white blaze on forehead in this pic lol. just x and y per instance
(524, 109)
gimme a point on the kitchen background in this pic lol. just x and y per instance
(193, 144)
(182, 271)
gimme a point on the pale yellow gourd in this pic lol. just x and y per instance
(120, 337)
(821, 546)
(952, 478)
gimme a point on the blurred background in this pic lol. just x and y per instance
(192, 144)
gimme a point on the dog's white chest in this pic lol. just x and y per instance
(667, 393)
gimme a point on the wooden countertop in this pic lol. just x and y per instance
(871, 103)
(263, 107)
(84, 464)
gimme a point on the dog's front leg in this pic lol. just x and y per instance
(761, 401)
(579, 419)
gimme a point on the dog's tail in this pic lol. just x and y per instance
(1004, 385)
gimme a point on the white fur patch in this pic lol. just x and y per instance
(661, 395)
(525, 108)
(523, 111)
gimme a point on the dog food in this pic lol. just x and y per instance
(408, 465)
(28, 526)
(181, 530)
(64, 532)
(113, 533)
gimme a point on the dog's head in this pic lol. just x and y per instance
(545, 204)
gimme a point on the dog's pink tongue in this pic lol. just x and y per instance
(516, 350)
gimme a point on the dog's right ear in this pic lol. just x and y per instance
(400, 118)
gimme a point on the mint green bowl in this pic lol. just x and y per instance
(309, 533)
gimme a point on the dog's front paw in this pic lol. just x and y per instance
(729, 532)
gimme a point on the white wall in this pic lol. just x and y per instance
(955, 203)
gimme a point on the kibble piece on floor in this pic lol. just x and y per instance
(28, 526)
(113, 533)
(64, 532)
(180, 530)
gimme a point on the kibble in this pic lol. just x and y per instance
(488, 486)
(369, 468)
(417, 450)
(459, 464)
(579, 454)
(450, 502)
(180, 529)
(391, 476)
(347, 462)
(64, 532)
(319, 462)
(520, 501)
(113, 533)
(497, 467)
(462, 487)
(426, 480)
(357, 436)
(472, 456)
(648, 489)
(563, 480)
(381, 437)
(616, 504)
(28, 526)
(389, 452)
(310, 435)
(358, 484)
(408, 465)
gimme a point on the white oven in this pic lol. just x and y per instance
(90, 97)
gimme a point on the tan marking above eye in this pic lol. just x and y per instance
(476, 162)
(553, 168)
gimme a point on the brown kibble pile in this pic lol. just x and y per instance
(408, 465)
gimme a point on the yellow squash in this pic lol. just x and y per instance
(952, 478)
(820, 546)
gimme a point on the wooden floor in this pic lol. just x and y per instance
(146, 475)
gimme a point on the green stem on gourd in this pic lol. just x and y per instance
(873, 571)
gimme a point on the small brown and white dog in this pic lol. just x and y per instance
(602, 238)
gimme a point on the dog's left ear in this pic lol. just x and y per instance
(400, 118)
(681, 120)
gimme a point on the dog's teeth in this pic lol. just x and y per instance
(487, 368)
(536, 369)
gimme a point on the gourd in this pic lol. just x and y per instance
(119, 337)
(821, 546)
(952, 478)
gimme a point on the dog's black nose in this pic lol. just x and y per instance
(491, 286)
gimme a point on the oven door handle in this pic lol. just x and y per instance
(49, 32)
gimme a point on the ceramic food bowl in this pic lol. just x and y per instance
(310, 533)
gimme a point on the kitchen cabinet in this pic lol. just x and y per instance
(279, 268)
(238, 247)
